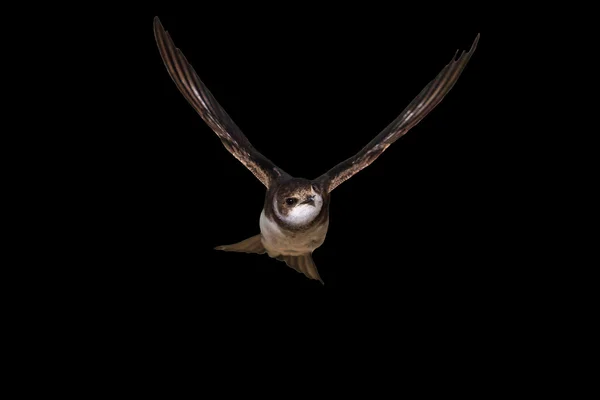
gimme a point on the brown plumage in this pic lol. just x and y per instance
(286, 194)
(199, 97)
(422, 105)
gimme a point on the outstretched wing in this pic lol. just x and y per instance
(212, 113)
(422, 105)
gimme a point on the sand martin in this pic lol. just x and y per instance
(295, 216)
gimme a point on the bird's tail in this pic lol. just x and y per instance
(303, 264)
(250, 245)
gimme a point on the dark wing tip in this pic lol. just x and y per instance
(474, 45)
(466, 54)
(156, 23)
(159, 30)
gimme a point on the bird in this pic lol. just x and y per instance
(295, 215)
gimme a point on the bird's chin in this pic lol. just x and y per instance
(302, 214)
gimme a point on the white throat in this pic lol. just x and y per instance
(301, 214)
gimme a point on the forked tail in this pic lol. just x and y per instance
(302, 263)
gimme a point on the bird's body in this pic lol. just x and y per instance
(278, 240)
(295, 215)
(297, 228)
(293, 223)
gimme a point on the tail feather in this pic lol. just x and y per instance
(303, 264)
(250, 245)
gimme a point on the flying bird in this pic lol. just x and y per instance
(295, 215)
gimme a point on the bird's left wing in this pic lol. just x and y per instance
(422, 105)
(196, 93)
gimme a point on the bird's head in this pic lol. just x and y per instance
(298, 202)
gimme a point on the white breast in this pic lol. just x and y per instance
(277, 241)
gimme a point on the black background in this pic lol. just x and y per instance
(308, 91)
(430, 249)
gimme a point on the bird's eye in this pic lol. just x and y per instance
(290, 201)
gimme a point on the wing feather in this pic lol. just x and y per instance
(199, 97)
(422, 105)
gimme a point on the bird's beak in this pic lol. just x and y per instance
(309, 200)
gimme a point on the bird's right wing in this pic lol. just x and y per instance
(196, 93)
